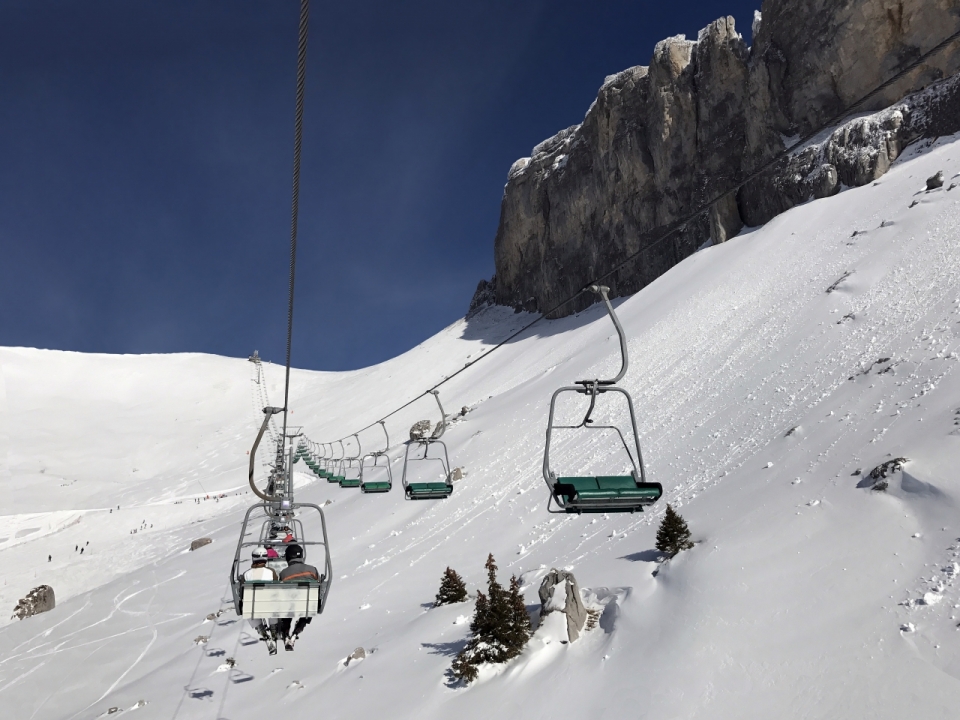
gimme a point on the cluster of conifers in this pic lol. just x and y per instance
(501, 628)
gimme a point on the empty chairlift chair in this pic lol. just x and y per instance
(322, 462)
(350, 474)
(374, 476)
(337, 469)
(440, 488)
(326, 461)
(600, 493)
(315, 460)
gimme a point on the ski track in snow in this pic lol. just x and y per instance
(765, 372)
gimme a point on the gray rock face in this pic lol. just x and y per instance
(39, 600)
(856, 153)
(663, 140)
(559, 592)
(199, 543)
(484, 296)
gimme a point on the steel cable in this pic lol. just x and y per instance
(295, 209)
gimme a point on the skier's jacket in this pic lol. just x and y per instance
(260, 573)
(299, 570)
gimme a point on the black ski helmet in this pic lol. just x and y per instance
(294, 552)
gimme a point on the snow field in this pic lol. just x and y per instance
(765, 371)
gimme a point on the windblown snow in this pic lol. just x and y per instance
(771, 374)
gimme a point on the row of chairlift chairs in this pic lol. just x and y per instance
(371, 472)
(265, 601)
(568, 494)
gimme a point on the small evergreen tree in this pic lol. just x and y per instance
(519, 631)
(498, 612)
(464, 665)
(452, 588)
(500, 627)
(673, 535)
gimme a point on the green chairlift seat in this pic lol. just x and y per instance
(606, 492)
(376, 486)
(428, 491)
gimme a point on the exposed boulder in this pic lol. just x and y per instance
(199, 543)
(935, 181)
(889, 467)
(559, 592)
(356, 655)
(681, 133)
(39, 600)
(420, 430)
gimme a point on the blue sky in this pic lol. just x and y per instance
(146, 153)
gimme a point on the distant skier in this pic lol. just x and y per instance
(49, 558)
(296, 570)
(260, 572)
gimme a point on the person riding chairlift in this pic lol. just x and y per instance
(275, 561)
(258, 568)
(260, 572)
(295, 571)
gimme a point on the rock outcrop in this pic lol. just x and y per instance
(663, 140)
(420, 431)
(39, 600)
(355, 656)
(559, 592)
(199, 543)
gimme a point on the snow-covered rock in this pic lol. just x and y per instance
(559, 592)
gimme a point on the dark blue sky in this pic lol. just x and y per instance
(146, 153)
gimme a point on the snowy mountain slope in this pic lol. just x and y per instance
(760, 393)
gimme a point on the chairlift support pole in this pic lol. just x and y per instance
(268, 412)
(443, 417)
(383, 424)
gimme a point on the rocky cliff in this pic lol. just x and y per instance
(662, 140)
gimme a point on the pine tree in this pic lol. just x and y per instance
(452, 588)
(673, 535)
(464, 666)
(498, 611)
(519, 630)
(500, 627)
